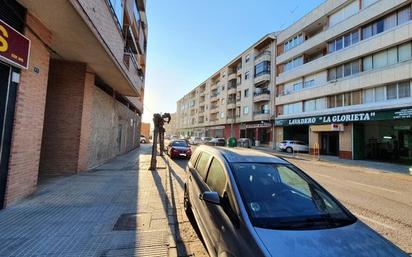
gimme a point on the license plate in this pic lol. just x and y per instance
(182, 154)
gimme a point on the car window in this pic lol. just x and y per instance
(201, 164)
(194, 158)
(216, 178)
(179, 143)
(283, 142)
(279, 196)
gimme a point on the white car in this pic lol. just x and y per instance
(143, 139)
(291, 146)
(195, 141)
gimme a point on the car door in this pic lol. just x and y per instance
(228, 234)
(198, 186)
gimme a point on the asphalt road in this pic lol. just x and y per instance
(381, 200)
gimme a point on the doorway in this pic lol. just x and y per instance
(8, 91)
(329, 143)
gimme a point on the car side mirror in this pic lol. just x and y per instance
(210, 197)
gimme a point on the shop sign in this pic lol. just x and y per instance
(14, 47)
(405, 113)
(217, 127)
(258, 125)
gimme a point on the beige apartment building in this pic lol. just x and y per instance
(236, 100)
(343, 81)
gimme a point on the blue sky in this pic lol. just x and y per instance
(191, 39)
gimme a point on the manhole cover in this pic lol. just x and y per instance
(132, 221)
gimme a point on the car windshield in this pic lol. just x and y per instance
(279, 196)
(179, 143)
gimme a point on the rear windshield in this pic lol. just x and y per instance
(280, 196)
(179, 143)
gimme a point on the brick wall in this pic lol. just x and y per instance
(28, 122)
(145, 129)
(64, 106)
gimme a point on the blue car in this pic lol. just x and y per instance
(247, 203)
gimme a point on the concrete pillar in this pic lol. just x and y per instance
(257, 139)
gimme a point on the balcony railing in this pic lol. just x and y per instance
(262, 92)
(262, 53)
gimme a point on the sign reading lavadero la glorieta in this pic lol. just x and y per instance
(395, 114)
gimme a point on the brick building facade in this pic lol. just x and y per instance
(79, 101)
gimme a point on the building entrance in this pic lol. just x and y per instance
(7, 101)
(329, 143)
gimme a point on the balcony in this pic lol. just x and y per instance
(232, 76)
(262, 78)
(214, 109)
(214, 97)
(263, 56)
(261, 96)
(260, 115)
(231, 104)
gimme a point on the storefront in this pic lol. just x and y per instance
(216, 131)
(376, 135)
(260, 133)
(14, 52)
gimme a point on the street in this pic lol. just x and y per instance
(381, 200)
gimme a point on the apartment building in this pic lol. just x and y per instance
(236, 100)
(343, 81)
(72, 85)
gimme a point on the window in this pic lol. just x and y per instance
(405, 52)
(202, 163)
(245, 109)
(355, 37)
(309, 106)
(404, 15)
(355, 67)
(294, 63)
(393, 55)
(118, 7)
(331, 101)
(265, 109)
(293, 108)
(332, 74)
(347, 69)
(247, 58)
(379, 26)
(309, 83)
(216, 178)
(356, 97)
(321, 103)
(136, 12)
(297, 86)
(339, 44)
(246, 92)
(379, 94)
(222, 115)
(331, 47)
(246, 75)
(339, 72)
(404, 89)
(262, 68)
(367, 63)
(367, 32)
(380, 59)
(391, 92)
(293, 42)
(347, 40)
(368, 95)
(339, 100)
(389, 21)
(347, 100)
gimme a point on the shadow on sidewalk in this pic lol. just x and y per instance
(169, 207)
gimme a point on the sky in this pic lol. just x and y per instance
(189, 40)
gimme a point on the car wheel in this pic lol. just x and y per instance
(289, 149)
(143, 141)
(186, 202)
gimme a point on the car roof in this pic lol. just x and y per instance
(233, 155)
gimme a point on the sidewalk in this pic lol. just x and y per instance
(118, 209)
(370, 166)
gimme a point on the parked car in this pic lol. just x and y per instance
(195, 140)
(248, 203)
(293, 146)
(143, 139)
(179, 148)
(205, 139)
(217, 142)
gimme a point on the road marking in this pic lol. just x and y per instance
(360, 184)
(374, 221)
(375, 187)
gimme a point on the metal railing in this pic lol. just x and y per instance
(262, 92)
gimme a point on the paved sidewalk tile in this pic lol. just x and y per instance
(76, 215)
